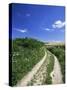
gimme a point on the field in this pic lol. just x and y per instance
(25, 54)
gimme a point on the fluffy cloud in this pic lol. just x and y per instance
(47, 29)
(58, 24)
(21, 30)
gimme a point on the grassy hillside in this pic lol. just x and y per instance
(59, 51)
(25, 54)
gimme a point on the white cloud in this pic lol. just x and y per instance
(58, 24)
(21, 30)
(47, 29)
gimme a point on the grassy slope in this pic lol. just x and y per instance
(59, 51)
(25, 54)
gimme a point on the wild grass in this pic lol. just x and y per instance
(25, 54)
(50, 67)
(59, 51)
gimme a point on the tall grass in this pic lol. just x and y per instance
(59, 51)
(25, 54)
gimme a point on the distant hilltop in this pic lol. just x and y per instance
(55, 43)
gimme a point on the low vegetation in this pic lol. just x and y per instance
(59, 51)
(26, 52)
(50, 67)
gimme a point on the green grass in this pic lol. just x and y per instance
(50, 67)
(25, 54)
(59, 51)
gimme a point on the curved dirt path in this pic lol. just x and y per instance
(24, 81)
(40, 77)
(56, 73)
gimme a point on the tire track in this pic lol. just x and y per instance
(24, 81)
(56, 73)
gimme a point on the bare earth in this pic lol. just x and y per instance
(30, 75)
(38, 74)
(40, 77)
(56, 73)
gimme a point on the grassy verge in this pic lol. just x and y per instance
(25, 54)
(49, 69)
(59, 51)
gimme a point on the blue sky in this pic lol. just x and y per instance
(42, 22)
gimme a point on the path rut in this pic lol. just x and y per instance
(24, 81)
(56, 73)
